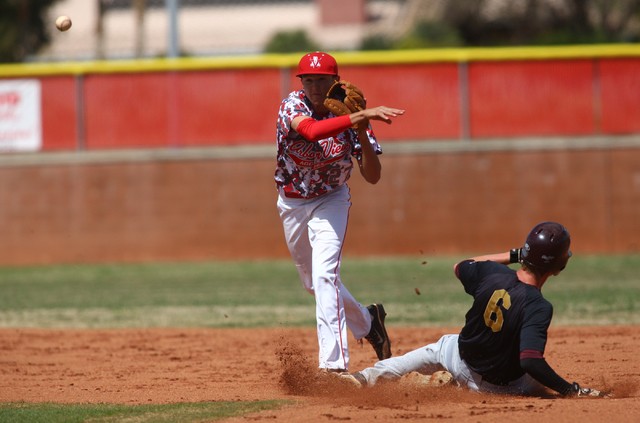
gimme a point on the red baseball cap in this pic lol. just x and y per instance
(317, 63)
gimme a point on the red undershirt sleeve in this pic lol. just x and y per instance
(315, 130)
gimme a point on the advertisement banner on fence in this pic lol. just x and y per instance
(20, 116)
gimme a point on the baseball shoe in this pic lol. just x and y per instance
(418, 380)
(377, 336)
(357, 379)
(329, 373)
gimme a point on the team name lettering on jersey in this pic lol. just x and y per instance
(310, 168)
(331, 148)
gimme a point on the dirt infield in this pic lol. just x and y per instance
(146, 366)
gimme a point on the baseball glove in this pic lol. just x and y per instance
(345, 98)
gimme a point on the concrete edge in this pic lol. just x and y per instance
(262, 151)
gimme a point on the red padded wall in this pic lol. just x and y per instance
(59, 124)
(182, 108)
(228, 107)
(239, 106)
(527, 98)
(620, 88)
(126, 110)
(428, 92)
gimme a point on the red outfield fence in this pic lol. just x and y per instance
(448, 94)
(562, 114)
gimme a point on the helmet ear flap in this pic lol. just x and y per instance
(569, 254)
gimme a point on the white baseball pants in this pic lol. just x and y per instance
(444, 354)
(315, 230)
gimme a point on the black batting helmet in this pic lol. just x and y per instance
(547, 247)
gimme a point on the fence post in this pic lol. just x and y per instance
(173, 7)
(81, 142)
(173, 120)
(463, 86)
(597, 98)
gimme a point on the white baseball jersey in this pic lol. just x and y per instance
(308, 169)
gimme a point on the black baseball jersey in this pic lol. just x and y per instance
(507, 317)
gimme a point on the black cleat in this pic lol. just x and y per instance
(377, 336)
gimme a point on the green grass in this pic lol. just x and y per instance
(110, 413)
(592, 290)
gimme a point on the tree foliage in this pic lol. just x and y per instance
(526, 22)
(452, 23)
(429, 34)
(22, 28)
(291, 42)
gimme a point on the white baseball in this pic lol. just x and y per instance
(63, 22)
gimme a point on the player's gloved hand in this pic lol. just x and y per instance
(345, 98)
(577, 391)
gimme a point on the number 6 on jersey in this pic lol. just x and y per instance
(493, 314)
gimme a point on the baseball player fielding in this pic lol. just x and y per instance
(320, 131)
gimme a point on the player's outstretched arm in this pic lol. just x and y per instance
(538, 368)
(380, 113)
(314, 130)
(502, 258)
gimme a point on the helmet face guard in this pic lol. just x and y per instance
(547, 247)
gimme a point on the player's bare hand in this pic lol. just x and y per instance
(382, 113)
